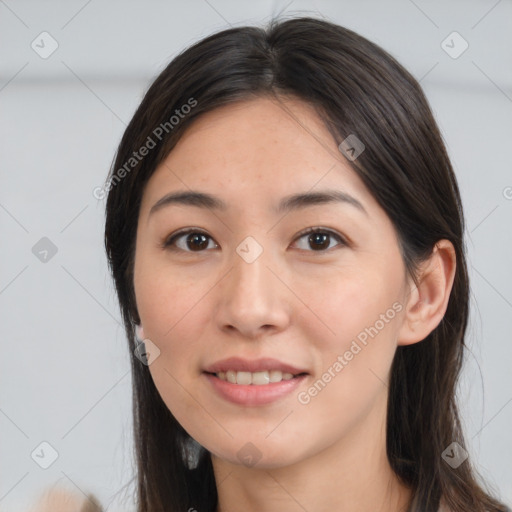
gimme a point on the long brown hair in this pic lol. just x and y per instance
(356, 88)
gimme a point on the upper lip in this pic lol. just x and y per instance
(255, 365)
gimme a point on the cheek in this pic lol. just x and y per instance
(355, 343)
(348, 304)
(175, 317)
(329, 311)
(165, 296)
(354, 330)
(172, 314)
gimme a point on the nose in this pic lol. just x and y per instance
(253, 300)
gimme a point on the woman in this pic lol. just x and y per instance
(285, 233)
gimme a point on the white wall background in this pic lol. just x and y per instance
(64, 371)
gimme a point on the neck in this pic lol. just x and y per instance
(352, 475)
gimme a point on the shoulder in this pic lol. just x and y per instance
(60, 500)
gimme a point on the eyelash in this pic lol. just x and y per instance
(169, 243)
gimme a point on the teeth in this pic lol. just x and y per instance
(256, 378)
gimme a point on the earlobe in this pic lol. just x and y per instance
(427, 302)
(139, 332)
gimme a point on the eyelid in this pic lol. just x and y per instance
(319, 229)
(168, 242)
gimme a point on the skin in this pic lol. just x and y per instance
(293, 303)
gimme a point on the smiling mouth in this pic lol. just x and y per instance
(255, 378)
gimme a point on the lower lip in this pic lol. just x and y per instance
(253, 394)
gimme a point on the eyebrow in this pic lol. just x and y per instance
(287, 204)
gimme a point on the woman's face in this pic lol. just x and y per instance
(247, 283)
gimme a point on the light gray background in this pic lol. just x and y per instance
(64, 369)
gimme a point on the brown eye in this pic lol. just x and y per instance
(191, 240)
(320, 239)
(194, 241)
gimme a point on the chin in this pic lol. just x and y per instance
(259, 455)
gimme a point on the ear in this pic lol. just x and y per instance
(139, 332)
(427, 302)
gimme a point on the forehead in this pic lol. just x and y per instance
(259, 146)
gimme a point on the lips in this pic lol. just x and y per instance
(257, 378)
(237, 364)
(251, 394)
(255, 382)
